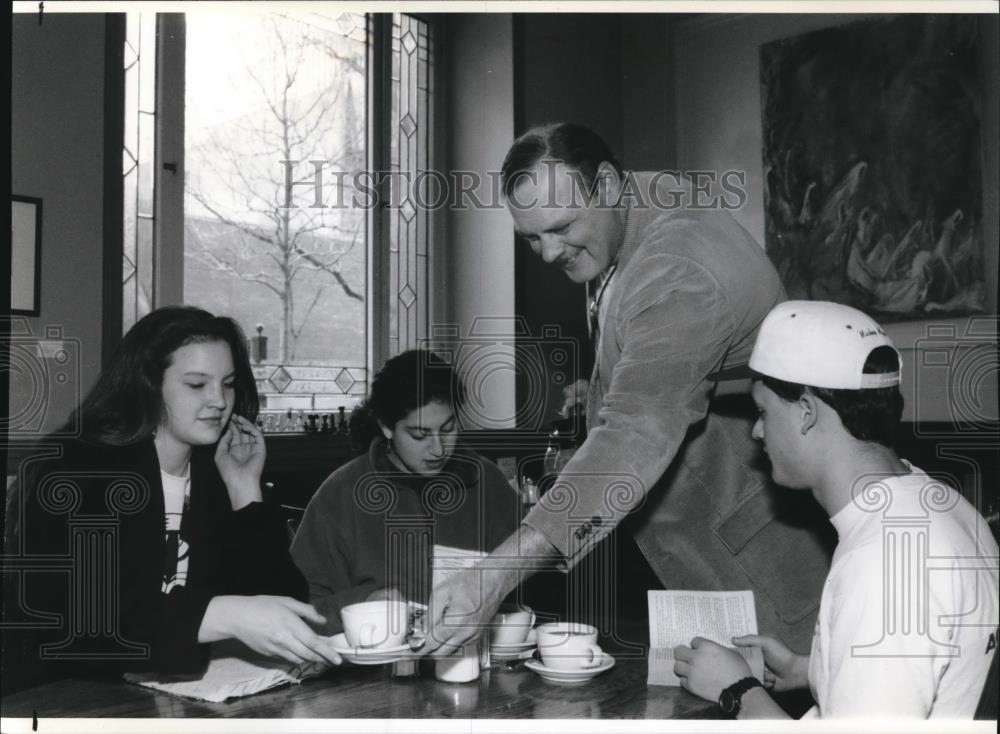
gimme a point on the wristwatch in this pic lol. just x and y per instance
(731, 698)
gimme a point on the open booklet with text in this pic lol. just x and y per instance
(675, 617)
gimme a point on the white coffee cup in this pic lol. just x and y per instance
(511, 625)
(569, 646)
(375, 624)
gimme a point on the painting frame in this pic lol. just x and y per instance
(854, 210)
(25, 255)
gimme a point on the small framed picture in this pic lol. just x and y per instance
(25, 255)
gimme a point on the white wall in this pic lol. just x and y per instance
(57, 120)
(718, 121)
(474, 263)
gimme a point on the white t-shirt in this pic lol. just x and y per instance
(908, 614)
(176, 493)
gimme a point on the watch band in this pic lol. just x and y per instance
(731, 698)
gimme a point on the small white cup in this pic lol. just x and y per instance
(461, 667)
(569, 646)
(511, 625)
(375, 624)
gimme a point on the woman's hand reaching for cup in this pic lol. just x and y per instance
(240, 459)
(275, 626)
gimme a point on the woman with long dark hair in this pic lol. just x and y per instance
(370, 530)
(156, 516)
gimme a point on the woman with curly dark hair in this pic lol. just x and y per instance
(371, 528)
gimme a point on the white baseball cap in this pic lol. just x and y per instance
(817, 343)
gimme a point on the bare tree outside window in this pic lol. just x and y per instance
(263, 89)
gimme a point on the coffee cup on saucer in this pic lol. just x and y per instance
(569, 646)
(376, 624)
(511, 625)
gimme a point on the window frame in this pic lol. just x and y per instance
(168, 230)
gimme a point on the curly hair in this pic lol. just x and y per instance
(408, 381)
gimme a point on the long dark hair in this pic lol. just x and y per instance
(408, 381)
(126, 404)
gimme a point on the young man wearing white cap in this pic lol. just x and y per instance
(908, 615)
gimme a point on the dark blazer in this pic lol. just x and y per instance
(87, 527)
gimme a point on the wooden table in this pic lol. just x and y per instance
(349, 691)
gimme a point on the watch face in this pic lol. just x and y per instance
(727, 701)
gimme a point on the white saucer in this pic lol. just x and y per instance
(570, 676)
(514, 650)
(368, 655)
(511, 652)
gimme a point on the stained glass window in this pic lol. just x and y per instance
(275, 102)
(138, 171)
(409, 224)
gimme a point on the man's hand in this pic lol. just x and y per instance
(463, 606)
(573, 395)
(240, 459)
(707, 667)
(785, 669)
(271, 625)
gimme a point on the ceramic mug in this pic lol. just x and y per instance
(511, 625)
(375, 624)
(569, 646)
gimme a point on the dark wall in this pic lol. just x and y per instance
(613, 73)
(58, 155)
(566, 68)
(648, 120)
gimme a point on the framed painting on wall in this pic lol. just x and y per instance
(873, 165)
(25, 255)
